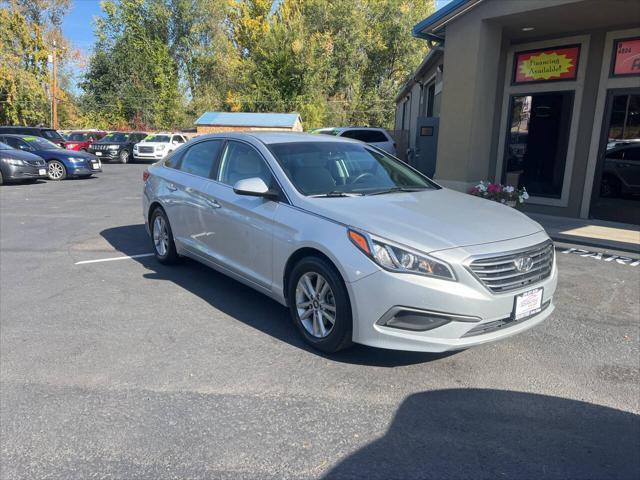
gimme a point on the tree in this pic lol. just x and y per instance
(23, 70)
(132, 74)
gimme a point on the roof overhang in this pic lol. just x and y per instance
(432, 27)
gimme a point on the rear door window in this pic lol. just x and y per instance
(200, 159)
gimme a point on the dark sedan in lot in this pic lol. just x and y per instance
(117, 146)
(44, 132)
(61, 163)
(16, 165)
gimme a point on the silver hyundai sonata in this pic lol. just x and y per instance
(360, 247)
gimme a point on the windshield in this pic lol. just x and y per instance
(4, 146)
(78, 137)
(39, 143)
(157, 139)
(334, 168)
(116, 137)
(52, 134)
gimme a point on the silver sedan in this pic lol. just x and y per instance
(360, 247)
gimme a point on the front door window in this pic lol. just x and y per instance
(537, 140)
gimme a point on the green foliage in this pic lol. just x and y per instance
(161, 63)
(23, 71)
(132, 78)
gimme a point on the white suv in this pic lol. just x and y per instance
(378, 137)
(157, 146)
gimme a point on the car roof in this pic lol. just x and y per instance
(344, 129)
(19, 135)
(268, 138)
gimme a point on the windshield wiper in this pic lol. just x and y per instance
(336, 193)
(398, 189)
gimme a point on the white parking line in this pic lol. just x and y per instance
(84, 262)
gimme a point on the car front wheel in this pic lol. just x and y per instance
(164, 247)
(124, 156)
(319, 305)
(56, 170)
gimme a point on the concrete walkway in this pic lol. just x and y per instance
(594, 233)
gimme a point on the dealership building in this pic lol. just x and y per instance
(539, 94)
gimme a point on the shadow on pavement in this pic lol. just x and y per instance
(245, 304)
(466, 433)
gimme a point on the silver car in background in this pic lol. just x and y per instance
(360, 247)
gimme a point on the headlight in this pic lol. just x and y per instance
(135, 147)
(76, 160)
(399, 259)
(15, 162)
(113, 147)
(159, 148)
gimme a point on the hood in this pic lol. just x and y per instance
(429, 220)
(19, 155)
(64, 153)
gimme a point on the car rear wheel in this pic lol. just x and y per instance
(1, 179)
(56, 170)
(164, 247)
(124, 156)
(610, 187)
(319, 305)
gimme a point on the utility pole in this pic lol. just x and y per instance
(54, 87)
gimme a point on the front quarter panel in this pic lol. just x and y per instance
(297, 229)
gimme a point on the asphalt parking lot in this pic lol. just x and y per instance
(130, 369)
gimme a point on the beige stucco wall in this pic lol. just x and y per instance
(475, 58)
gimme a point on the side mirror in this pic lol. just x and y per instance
(254, 187)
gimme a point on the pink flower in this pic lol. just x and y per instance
(494, 188)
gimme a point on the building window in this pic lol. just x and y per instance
(537, 140)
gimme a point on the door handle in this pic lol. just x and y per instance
(213, 203)
(172, 187)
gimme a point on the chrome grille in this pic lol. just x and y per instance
(36, 163)
(499, 273)
(145, 149)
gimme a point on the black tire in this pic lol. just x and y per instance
(610, 187)
(340, 335)
(169, 255)
(124, 156)
(56, 170)
(1, 179)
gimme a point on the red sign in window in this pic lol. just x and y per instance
(627, 57)
(547, 65)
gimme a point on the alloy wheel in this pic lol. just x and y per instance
(315, 304)
(55, 170)
(160, 236)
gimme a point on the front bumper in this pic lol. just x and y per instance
(106, 154)
(26, 172)
(81, 169)
(476, 315)
(154, 157)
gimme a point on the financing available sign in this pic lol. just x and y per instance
(626, 59)
(546, 65)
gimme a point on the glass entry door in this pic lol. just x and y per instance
(537, 141)
(616, 192)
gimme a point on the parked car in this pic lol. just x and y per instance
(378, 137)
(621, 171)
(16, 165)
(47, 133)
(61, 163)
(81, 140)
(156, 146)
(360, 246)
(117, 146)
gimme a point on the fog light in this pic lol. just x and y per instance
(417, 321)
